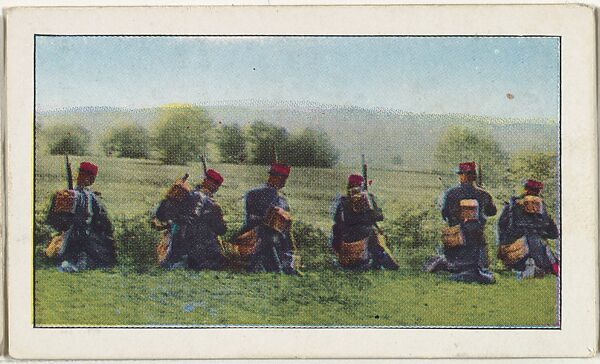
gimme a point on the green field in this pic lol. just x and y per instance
(323, 296)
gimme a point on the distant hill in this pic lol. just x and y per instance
(379, 133)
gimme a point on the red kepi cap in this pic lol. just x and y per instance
(214, 177)
(278, 169)
(355, 180)
(89, 168)
(466, 167)
(532, 184)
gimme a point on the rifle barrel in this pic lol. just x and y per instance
(204, 168)
(364, 172)
(69, 172)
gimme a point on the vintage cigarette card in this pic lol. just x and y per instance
(301, 181)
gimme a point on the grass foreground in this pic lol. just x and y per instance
(383, 298)
(323, 297)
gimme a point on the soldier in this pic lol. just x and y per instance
(192, 220)
(267, 219)
(86, 240)
(523, 226)
(355, 239)
(465, 209)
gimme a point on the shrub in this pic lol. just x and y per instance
(126, 139)
(310, 148)
(458, 144)
(42, 234)
(313, 246)
(537, 165)
(232, 144)
(263, 138)
(180, 133)
(66, 138)
(136, 243)
(414, 233)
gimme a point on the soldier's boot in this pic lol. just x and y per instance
(473, 276)
(529, 271)
(291, 271)
(435, 264)
(486, 277)
(67, 267)
(468, 276)
(384, 261)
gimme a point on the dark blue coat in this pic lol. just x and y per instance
(350, 226)
(194, 225)
(515, 223)
(88, 234)
(274, 252)
(473, 253)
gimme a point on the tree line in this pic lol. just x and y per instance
(181, 133)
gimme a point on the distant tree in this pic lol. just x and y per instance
(126, 139)
(540, 166)
(180, 133)
(311, 148)
(232, 144)
(458, 144)
(262, 137)
(397, 160)
(66, 138)
(531, 164)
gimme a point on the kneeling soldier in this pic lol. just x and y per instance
(192, 221)
(355, 239)
(86, 240)
(523, 226)
(267, 225)
(465, 209)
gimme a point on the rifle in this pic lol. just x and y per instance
(479, 178)
(365, 184)
(69, 172)
(365, 188)
(203, 160)
(273, 154)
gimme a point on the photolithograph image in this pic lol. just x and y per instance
(297, 181)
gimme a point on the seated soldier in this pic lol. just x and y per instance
(523, 226)
(192, 221)
(355, 239)
(86, 241)
(465, 209)
(267, 220)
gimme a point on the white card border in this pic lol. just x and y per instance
(575, 25)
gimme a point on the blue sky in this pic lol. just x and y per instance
(424, 74)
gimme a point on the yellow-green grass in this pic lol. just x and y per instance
(131, 188)
(324, 298)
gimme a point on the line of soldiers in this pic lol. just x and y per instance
(523, 227)
(192, 224)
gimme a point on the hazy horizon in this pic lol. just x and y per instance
(288, 104)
